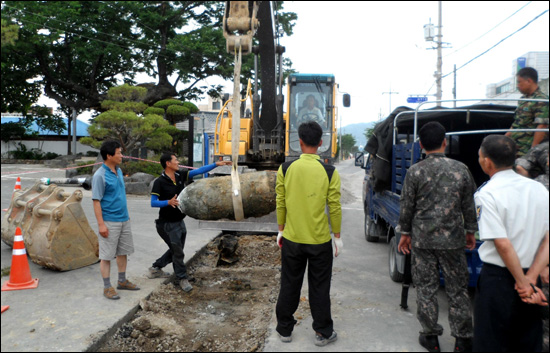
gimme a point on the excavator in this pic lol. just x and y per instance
(268, 133)
(267, 136)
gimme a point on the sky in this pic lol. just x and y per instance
(375, 47)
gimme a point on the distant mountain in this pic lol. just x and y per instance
(358, 131)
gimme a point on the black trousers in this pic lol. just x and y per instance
(294, 258)
(173, 234)
(502, 322)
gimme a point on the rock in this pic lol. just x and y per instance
(142, 324)
(141, 178)
(154, 331)
(138, 188)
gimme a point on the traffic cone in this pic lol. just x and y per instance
(20, 274)
(4, 308)
(17, 184)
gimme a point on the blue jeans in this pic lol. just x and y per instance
(173, 234)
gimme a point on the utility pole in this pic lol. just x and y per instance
(454, 87)
(430, 36)
(438, 73)
(390, 93)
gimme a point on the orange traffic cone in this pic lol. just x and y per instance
(4, 308)
(17, 184)
(20, 274)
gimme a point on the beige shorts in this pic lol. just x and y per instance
(119, 242)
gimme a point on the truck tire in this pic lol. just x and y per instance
(392, 262)
(370, 228)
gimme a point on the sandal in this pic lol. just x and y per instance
(127, 285)
(110, 293)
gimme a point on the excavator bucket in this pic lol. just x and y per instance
(56, 231)
(17, 214)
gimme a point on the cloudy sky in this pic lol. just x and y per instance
(372, 46)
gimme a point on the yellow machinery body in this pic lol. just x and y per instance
(55, 229)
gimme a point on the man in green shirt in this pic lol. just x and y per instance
(304, 188)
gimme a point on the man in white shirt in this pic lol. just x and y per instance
(512, 214)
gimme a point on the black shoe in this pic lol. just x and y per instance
(463, 345)
(431, 343)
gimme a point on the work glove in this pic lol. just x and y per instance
(338, 246)
(280, 239)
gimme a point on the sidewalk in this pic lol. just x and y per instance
(68, 312)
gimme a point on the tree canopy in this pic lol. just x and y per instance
(128, 121)
(76, 50)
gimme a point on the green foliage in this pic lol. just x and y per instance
(73, 50)
(348, 141)
(127, 93)
(177, 111)
(12, 131)
(165, 103)
(192, 107)
(9, 33)
(76, 51)
(124, 123)
(23, 153)
(153, 110)
(131, 167)
(136, 107)
(84, 170)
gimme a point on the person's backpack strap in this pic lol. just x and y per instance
(328, 168)
(286, 165)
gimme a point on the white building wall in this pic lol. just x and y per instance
(59, 147)
(507, 87)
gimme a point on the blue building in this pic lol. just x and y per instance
(47, 141)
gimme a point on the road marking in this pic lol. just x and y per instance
(352, 208)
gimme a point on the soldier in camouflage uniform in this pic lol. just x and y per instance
(535, 165)
(437, 205)
(529, 115)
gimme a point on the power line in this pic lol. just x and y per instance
(146, 45)
(478, 38)
(502, 40)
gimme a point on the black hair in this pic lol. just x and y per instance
(310, 133)
(166, 157)
(109, 147)
(499, 149)
(528, 72)
(432, 135)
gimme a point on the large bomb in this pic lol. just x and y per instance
(211, 198)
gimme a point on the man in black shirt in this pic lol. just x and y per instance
(170, 224)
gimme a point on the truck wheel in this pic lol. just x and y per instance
(370, 229)
(392, 262)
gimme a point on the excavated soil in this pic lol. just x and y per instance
(229, 308)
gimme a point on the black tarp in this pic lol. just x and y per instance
(467, 118)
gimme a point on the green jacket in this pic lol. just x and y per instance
(304, 188)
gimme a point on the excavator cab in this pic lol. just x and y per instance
(311, 97)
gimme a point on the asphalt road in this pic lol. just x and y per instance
(67, 312)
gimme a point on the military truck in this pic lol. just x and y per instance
(394, 147)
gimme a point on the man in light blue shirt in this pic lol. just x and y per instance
(111, 211)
